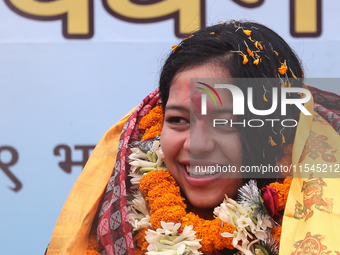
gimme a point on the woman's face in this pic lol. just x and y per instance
(189, 140)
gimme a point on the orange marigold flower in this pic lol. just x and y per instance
(288, 182)
(154, 116)
(282, 191)
(202, 232)
(93, 246)
(221, 242)
(153, 131)
(138, 251)
(168, 199)
(210, 233)
(276, 233)
(92, 252)
(167, 214)
(154, 178)
(152, 123)
(142, 244)
(191, 219)
(161, 190)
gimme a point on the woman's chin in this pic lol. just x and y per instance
(205, 202)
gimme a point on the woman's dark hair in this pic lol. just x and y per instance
(226, 44)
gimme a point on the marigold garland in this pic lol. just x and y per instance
(152, 123)
(166, 204)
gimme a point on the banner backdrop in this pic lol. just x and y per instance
(71, 69)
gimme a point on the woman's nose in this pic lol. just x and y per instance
(200, 141)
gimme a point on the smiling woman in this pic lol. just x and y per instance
(175, 201)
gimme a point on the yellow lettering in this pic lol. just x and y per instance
(188, 14)
(76, 15)
(305, 18)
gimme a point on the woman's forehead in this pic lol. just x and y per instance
(189, 85)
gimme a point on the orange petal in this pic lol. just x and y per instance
(212, 33)
(294, 76)
(302, 95)
(174, 47)
(283, 139)
(276, 53)
(272, 143)
(264, 96)
(256, 44)
(245, 59)
(247, 32)
(260, 45)
(250, 52)
(283, 69)
(256, 61)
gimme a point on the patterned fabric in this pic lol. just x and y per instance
(327, 104)
(113, 230)
(311, 218)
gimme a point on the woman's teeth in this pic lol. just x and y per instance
(200, 170)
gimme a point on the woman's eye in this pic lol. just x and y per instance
(224, 127)
(177, 120)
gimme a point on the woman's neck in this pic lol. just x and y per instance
(204, 213)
